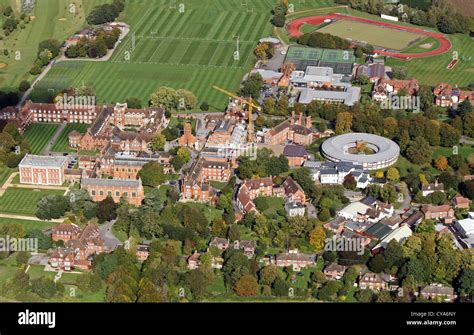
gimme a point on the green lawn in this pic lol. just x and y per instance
(28, 225)
(5, 172)
(39, 134)
(52, 19)
(23, 201)
(62, 144)
(371, 34)
(465, 151)
(192, 50)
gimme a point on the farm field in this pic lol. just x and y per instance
(38, 135)
(192, 50)
(371, 34)
(23, 201)
(62, 144)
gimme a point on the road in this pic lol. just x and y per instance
(62, 58)
(111, 242)
(406, 203)
(47, 149)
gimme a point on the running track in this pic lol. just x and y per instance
(295, 25)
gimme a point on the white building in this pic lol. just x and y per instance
(295, 209)
(465, 227)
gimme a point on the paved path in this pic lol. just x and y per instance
(47, 149)
(28, 218)
(27, 93)
(444, 43)
(110, 241)
(9, 183)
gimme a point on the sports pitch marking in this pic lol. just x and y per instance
(444, 44)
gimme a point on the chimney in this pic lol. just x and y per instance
(301, 119)
(309, 123)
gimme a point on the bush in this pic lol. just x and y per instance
(24, 86)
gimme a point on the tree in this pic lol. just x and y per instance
(198, 282)
(269, 106)
(449, 136)
(246, 286)
(204, 106)
(152, 174)
(329, 290)
(235, 266)
(467, 188)
(419, 151)
(186, 99)
(283, 105)
(393, 174)
(349, 182)
(441, 163)
(343, 123)
(269, 274)
(365, 295)
(107, 210)
(184, 154)
(317, 238)
(377, 263)
(105, 13)
(252, 85)
(466, 282)
(134, 102)
(54, 46)
(52, 207)
(158, 142)
(24, 85)
(280, 287)
(164, 96)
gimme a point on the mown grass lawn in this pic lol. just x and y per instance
(27, 224)
(193, 50)
(39, 134)
(62, 144)
(465, 151)
(22, 201)
(51, 19)
(5, 172)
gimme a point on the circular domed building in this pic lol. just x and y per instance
(373, 152)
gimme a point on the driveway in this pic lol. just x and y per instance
(110, 241)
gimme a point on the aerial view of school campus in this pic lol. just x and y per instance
(237, 151)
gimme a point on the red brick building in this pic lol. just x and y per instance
(99, 189)
(42, 170)
(296, 129)
(65, 232)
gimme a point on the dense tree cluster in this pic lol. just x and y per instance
(265, 164)
(106, 12)
(440, 13)
(94, 48)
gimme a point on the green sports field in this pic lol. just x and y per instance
(38, 135)
(371, 34)
(193, 49)
(62, 144)
(23, 201)
(51, 19)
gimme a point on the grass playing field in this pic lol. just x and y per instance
(193, 49)
(62, 144)
(5, 172)
(51, 19)
(38, 135)
(432, 70)
(23, 200)
(375, 35)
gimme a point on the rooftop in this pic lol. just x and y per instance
(43, 161)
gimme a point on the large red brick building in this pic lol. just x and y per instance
(296, 130)
(99, 189)
(42, 170)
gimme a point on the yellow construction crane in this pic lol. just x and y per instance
(249, 102)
